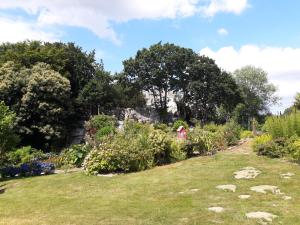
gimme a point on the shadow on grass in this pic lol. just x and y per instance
(2, 188)
(3, 179)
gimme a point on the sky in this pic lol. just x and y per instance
(262, 33)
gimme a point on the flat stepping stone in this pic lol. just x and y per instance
(216, 209)
(244, 196)
(285, 197)
(266, 188)
(228, 187)
(287, 175)
(247, 173)
(194, 190)
(264, 216)
(107, 175)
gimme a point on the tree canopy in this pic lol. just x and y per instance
(258, 92)
(198, 83)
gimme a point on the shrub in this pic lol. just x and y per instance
(283, 126)
(261, 140)
(105, 131)
(270, 149)
(162, 126)
(178, 150)
(121, 154)
(247, 134)
(160, 144)
(200, 141)
(24, 155)
(294, 149)
(211, 127)
(220, 141)
(133, 128)
(179, 123)
(73, 156)
(28, 169)
(232, 132)
(98, 122)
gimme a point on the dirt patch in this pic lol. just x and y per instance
(262, 216)
(244, 196)
(216, 209)
(228, 187)
(247, 173)
(287, 175)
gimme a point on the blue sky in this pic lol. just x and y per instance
(235, 33)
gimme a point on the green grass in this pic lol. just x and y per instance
(152, 197)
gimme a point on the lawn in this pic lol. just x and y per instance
(180, 193)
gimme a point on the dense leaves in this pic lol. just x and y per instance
(258, 93)
(8, 138)
(197, 83)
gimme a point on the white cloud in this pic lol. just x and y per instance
(229, 6)
(17, 30)
(282, 65)
(223, 32)
(99, 16)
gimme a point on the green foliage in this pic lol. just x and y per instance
(232, 131)
(297, 101)
(246, 134)
(162, 126)
(120, 154)
(210, 89)
(212, 127)
(133, 128)
(45, 100)
(41, 83)
(138, 147)
(200, 141)
(104, 132)
(257, 92)
(178, 150)
(159, 68)
(24, 155)
(166, 67)
(270, 149)
(179, 123)
(99, 121)
(73, 156)
(8, 139)
(160, 144)
(98, 94)
(98, 128)
(294, 149)
(283, 126)
(261, 140)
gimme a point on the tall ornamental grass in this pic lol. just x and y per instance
(283, 126)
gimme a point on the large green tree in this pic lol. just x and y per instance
(209, 89)
(41, 99)
(98, 95)
(258, 93)
(66, 58)
(159, 70)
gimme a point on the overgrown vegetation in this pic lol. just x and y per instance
(281, 138)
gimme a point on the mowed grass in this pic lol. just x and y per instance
(155, 196)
